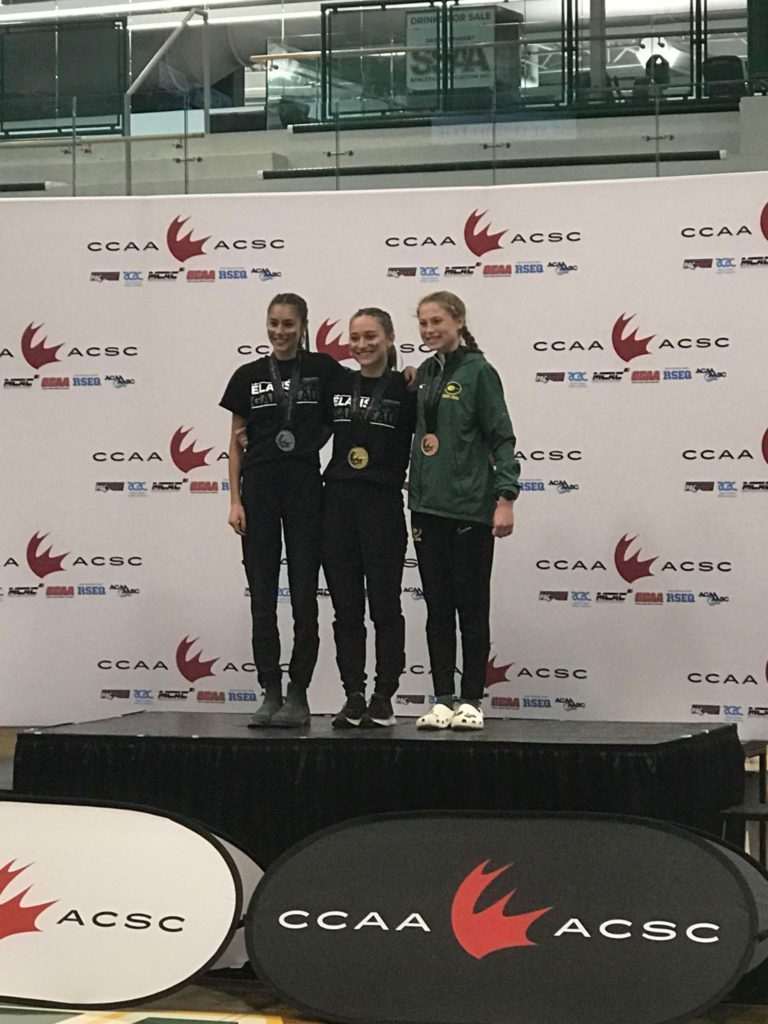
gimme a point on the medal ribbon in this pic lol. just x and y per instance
(429, 396)
(361, 417)
(286, 403)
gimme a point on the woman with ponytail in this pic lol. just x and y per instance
(462, 487)
(278, 427)
(364, 532)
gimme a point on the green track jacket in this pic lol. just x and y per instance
(476, 458)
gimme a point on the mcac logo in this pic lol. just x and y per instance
(16, 919)
(185, 246)
(482, 240)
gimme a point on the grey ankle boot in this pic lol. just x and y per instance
(262, 717)
(295, 712)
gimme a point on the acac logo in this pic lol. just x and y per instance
(192, 668)
(483, 932)
(331, 346)
(482, 241)
(183, 247)
(43, 563)
(764, 221)
(16, 919)
(632, 568)
(34, 350)
(187, 459)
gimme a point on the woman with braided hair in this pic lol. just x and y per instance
(277, 406)
(462, 488)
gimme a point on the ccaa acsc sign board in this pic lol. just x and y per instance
(473, 918)
(105, 906)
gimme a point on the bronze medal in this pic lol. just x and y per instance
(430, 444)
(358, 457)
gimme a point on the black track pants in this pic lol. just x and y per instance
(364, 540)
(455, 560)
(287, 498)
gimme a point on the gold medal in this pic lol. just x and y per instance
(357, 457)
(430, 443)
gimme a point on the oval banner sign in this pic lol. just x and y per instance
(104, 906)
(473, 918)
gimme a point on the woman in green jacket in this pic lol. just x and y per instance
(462, 488)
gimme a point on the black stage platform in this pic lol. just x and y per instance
(267, 789)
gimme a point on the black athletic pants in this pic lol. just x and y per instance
(455, 559)
(287, 495)
(364, 540)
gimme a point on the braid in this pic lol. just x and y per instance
(454, 306)
(469, 340)
(299, 306)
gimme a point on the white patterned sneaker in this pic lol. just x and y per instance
(467, 716)
(440, 717)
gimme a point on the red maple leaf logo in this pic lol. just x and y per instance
(764, 221)
(496, 673)
(629, 347)
(192, 668)
(183, 247)
(187, 459)
(43, 563)
(15, 919)
(483, 241)
(631, 569)
(331, 346)
(484, 932)
(35, 352)
(765, 445)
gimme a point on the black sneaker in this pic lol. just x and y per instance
(379, 714)
(352, 713)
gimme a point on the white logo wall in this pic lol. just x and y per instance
(625, 319)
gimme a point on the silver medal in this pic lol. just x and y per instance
(285, 440)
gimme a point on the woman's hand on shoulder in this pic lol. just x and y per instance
(236, 518)
(504, 518)
(410, 378)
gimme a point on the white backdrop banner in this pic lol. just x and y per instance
(626, 321)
